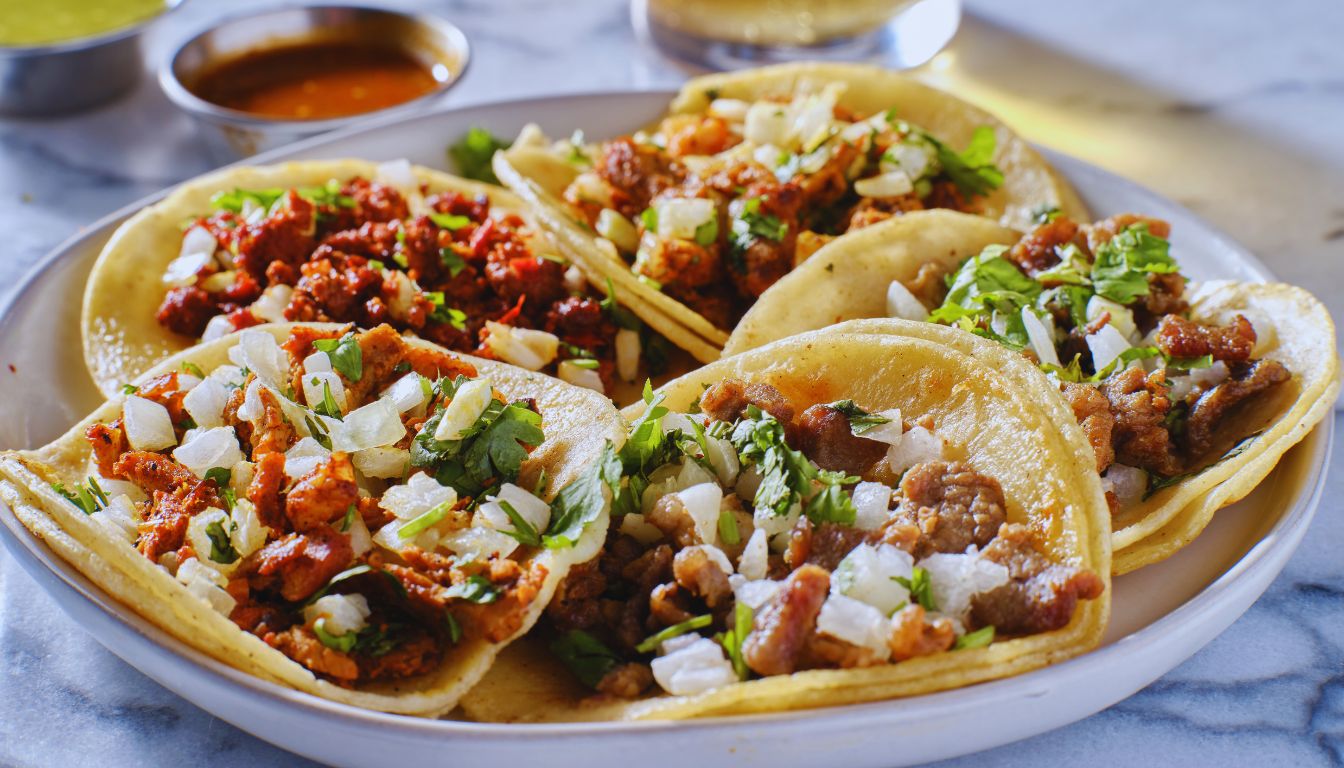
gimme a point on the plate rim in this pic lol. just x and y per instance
(1264, 559)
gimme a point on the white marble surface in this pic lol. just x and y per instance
(1234, 109)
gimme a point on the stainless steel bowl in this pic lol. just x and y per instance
(231, 134)
(69, 76)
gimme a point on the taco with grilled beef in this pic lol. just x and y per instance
(353, 514)
(1189, 392)
(750, 172)
(841, 516)
(454, 261)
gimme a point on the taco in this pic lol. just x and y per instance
(834, 518)
(1189, 394)
(359, 516)
(454, 261)
(753, 171)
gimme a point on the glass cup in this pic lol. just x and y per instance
(730, 34)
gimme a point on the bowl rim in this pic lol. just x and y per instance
(89, 41)
(183, 98)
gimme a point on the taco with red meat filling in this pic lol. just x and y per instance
(1189, 392)
(453, 261)
(752, 171)
(837, 517)
(356, 515)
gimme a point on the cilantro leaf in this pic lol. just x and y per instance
(452, 261)
(473, 153)
(732, 640)
(346, 355)
(476, 589)
(491, 452)
(88, 497)
(1122, 265)
(588, 658)
(221, 549)
(581, 502)
(860, 421)
(977, 639)
(921, 589)
(652, 642)
(523, 532)
(972, 170)
(788, 476)
(750, 224)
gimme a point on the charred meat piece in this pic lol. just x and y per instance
(1178, 337)
(727, 400)
(1213, 407)
(824, 435)
(1040, 596)
(782, 628)
(1093, 412)
(953, 505)
(1140, 404)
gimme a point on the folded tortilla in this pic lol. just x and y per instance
(1048, 479)
(577, 422)
(540, 176)
(848, 280)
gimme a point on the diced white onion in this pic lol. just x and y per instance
(369, 426)
(258, 351)
(638, 528)
(680, 217)
(702, 502)
(318, 362)
(217, 328)
(754, 593)
(382, 461)
(397, 173)
(200, 540)
(249, 533)
(570, 373)
(1106, 345)
(416, 496)
(361, 541)
(183, 269)
(716, 556)
(270, 306)
(589, 187)
(889, 184)
(407, 393)
(148, 425)
(340, 613)
(477, 542)
(1121, 317)
(575, 282)
(855, 622)
(1042, 340)
(1126, 482)
(955, 579)
(206, 584)
(722, 456)
(120, 516)
(532, 509)
(618, 230)
(871, 505)
(205, 403)
(467, 405)
(314, 390)
(694, 667)
(523, 347)
(901, 303)
(197, 239)
(911, 158)
(915, 447)
(868, 573)
(208, 449)
(627, 354)
(890, 432)
(767, 123)
(303, 457)
(733, 110)
(754, 561)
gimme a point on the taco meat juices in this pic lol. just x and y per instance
(761, 539)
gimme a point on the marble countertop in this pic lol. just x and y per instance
(1232, 109)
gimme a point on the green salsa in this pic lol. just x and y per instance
(38, 22)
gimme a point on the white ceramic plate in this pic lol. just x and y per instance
(1161, 615)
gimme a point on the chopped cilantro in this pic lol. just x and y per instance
(732, 640)
(445, 314)
(318, 430)
(860, 421)
(649, 218)
(652, 642)
(972, 170)
(921, 589)
(1120, 271)
(789, 477)
(977, 639)
(221, 477)
(129, 389)
(426, 520)
(587, 363)
(708, 233)
(328, 407)
(454, 628)
(1045, 213)
(345, 354)
(523, 532)
(587, 658)
(352, 572)
(581, 502)
(344, 643)
(348, 520)
(490, 453)
(750, 224)
(452, 261)
(728, 530)
(476, 589)
(450, 220)
(221, 549)
(622, 317)
(88, 497)
(473, 154)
